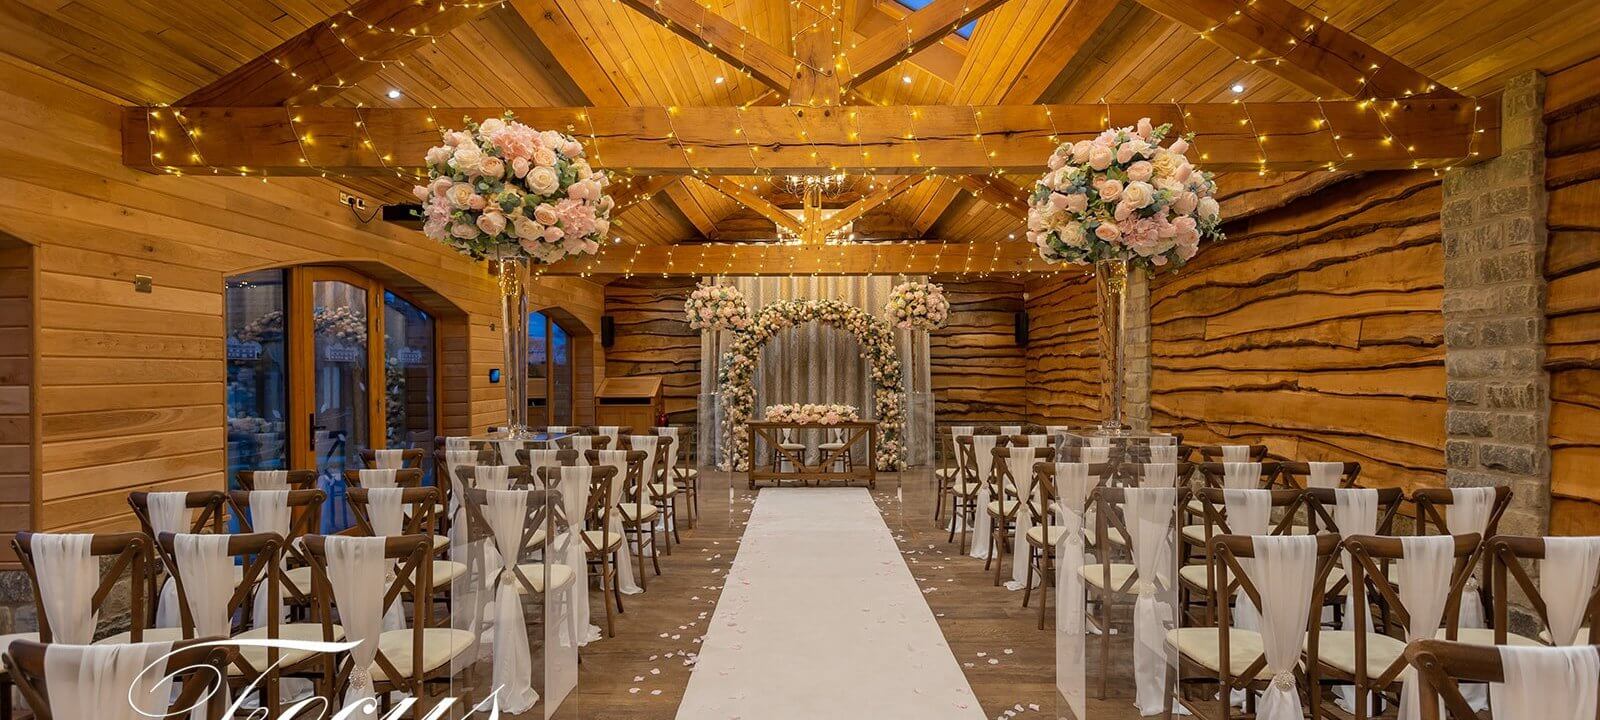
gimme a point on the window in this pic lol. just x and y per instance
(409, 376)
(550, 380)
(258, 375)
(914, 5)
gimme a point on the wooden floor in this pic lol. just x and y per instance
(641, 674)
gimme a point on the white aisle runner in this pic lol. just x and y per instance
(821, 618)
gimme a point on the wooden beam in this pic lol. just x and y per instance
(1073, 29)
(1278, 36)
(886, 140)
(882, 194)
(875, 258)
(753, 200)
(550, 24)
(816, 75)
(631, 191)
(338, 52)
(886, 48)
(1000, 194)
(721, 37)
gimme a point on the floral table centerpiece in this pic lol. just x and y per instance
(504, 191)
(1122, 200)
(812, 414)
(917, 306)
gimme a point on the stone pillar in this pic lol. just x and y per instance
(1136, 401)
(1495, 236)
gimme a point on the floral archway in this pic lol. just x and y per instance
(737, 374)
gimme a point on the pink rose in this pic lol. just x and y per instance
(545, 214)
(1138, 194)
(1058, 201)
(1126, 152)
(583, 191)
(477, 202)
(1179, 146)
(493, 167)
(460, 195)
(421, 191)
(542, 180)
(544, 156)
(1141, 170)
(1183, 172)
(553, 234)
(1145, 128)
(1056, 161)
(1110, 190)
(1077, 203)
(1107, 232)
(572, 149)
(525, 227)
(491, 126)
(551, 139)
(492, 223)
(1080, 151)
(468, 158)
(440, 185)
(465, 231)
(1185, 203)
(1122, 211)
(439, 155)
(1100, 157)
(519, 166)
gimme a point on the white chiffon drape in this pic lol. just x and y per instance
(1241, 474)
(1236, 453)
(1073, 484)
(1150, 510)
(68, 575)
(1468, 512)
(207, 571)
(270, 480)
(1324, 474)
(506, 512)
(1424, 577)
(386, 511)
(1249, 513)
(983, 462)
(1567, 577)
(1165, 454)
(1547, 683)
(108, 682)
(1283, 571)
(357, 570)
(1355, 512)
(622, 557)
(169, 513)
(389, 459)
(1019, 461)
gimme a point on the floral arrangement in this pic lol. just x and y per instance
(737, 372)
(717, 307)
(917, 306)
(1122, 196)
(502, 189)
(812, 414)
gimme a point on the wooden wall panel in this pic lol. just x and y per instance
(131, 384)
(654, 339)
(1572, 268)
(1316, 329)
(978, 371)
(17, 346)
(1063, 355)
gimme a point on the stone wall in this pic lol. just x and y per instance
(1495, 238)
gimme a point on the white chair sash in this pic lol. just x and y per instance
(1424, 577)
(1165, 454)
(1095, 453)
(207, 571)
(1325, 474)
(1100, 442)
(1242, 475)
(269, 513)
(648, 445)
(389, 459)
(457, 443)
(506, 512)
(543, 457)
(376, 478)
(68, 576)
(574, 488)
(1355, 512)
(1468, 512)
(1160, 474)
(677, 445)
(270, 479)
(611, 431)
(555, 429)
(108, 682)
(386, 511)
(1010, 430)
(1547, 683)
(1150, 510)
(1566, 582)
(1249, 513)
(1283, 571)
(454, 460)
(983, 464)
(618, 459)
(492, 477)
(357, 569)
(169, 513)
(1235, 453)
(583, 444)
(1020, 461)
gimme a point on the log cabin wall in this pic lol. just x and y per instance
(977, 370)
(130, 385)
(17, 448)
(1316, 329)
(1572, 269)
(1063, 357)
(653, 338)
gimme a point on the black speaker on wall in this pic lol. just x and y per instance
(608, 330)
(1019, 328)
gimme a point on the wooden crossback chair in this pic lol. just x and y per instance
(662, 490)
(1509, 558)
(1433, 517)
(410, 458)
(1200, 578)
(1007, 495)
(1215, 453)
(1372, 661)
(1105, 580)
(545, 520)
(563, 456)
(1321, 501)
(963, 492)
(467, 477)
(596, 442)
(298, 479)
(637, 513)
(294, 573)
(1140, 452)
(1298, 474)
(129, 558)
(600, 543)
(1443, 665)
(207, 515)
(203, 665)
(1131, 473)
(405, 478)
(418, 506)
(404, 662)
(1211, 655)
(1045, 534)
(1213, 474)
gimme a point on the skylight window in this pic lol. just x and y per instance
(964, 31)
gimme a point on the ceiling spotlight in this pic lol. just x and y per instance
(394, 94)
(905, 79)
(1237, 87)
(717, 80)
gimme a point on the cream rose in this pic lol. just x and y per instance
(1100, 157)
(1107, 232)
(1208, 208)
(1138, 194)
(543, 180)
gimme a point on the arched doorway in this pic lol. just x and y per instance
(560, 368)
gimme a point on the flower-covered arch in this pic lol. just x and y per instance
(736, 376)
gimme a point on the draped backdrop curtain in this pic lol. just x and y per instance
(817, 362)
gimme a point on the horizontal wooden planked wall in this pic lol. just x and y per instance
(978, 372)
(653, 338)
(131, 384)
(1316, 329)
(1572, 268)
(1063, 353)
(16, 393)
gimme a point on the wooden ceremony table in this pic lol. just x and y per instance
(861, 466)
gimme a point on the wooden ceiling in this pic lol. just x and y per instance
(675, 53)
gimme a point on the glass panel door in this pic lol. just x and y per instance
(539, 370)
(408, 365)
(341, 400)
(560, 376)
(258, 381)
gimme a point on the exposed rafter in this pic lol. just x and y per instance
(998, 193)
(873, 199)
(753, 200)
(875, 258)
(1278, 36)
(721, 37)
(890, 140)
(886, 48)
(336, 53)
(549, 23)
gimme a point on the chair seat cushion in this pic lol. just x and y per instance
(1095, 574)
(792, 446)
(256, 656)
(1113, 535)
(171, 634)
(1010, 510)
(965, 489)
(1485, 636)
(664, 489)
(1195, 534)
(1037, 534)
(1544, 635)
(1204, 647)
(439, 646)
(445, 571)
(947, 473)
(594, 538)
(634, 514)
(831, 446)
(560, 576)
(1337, 649)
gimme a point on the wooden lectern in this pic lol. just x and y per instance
(629, 401)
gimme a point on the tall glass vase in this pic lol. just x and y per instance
(513, 273)
(1111, 295)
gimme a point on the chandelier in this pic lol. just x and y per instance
(824, 185)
